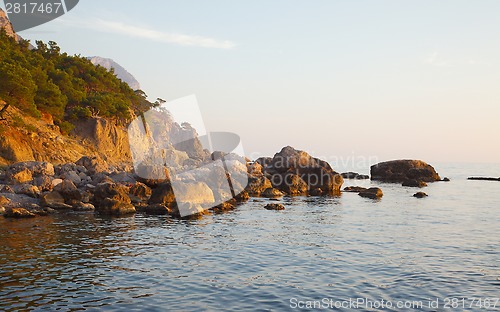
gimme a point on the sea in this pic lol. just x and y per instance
(346, 253)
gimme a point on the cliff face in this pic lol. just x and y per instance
(25, 138)
(6, 24)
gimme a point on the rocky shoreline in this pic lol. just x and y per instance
(29, 189)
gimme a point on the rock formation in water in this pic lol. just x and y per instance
(401, 171)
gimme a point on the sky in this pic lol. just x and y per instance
(354, 82)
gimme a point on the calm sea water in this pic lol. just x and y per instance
(398, 249)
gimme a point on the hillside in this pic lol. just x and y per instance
(119, 71)
(57, 107)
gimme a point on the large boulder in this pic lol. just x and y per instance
(399, 171)
(69, 191)
(112, 199)
(140, 192)
(93, 164)
(317, 174)
(163, 195)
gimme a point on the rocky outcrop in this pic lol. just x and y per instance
(372, 193)
(272, 193)
(290, 169)
(420, 195)
(354, 175)
(18, 213)
(274, 207)
(106, 137)
(399, 171)
(112, 199)
(414, 183)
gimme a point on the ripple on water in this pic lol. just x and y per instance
(339, 248)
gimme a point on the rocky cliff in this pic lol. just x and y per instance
(6, 24)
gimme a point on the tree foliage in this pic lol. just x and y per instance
(68, 87)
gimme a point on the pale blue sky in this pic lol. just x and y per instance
(379, 79)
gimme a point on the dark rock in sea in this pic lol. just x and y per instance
(483, 179)
(112, 199)
(140, 192)
(18, 213)
(156, 209)
(354, 175)
(446, 180)
(272, 193)
(354, 189)
(242, 197)
(314, 172)
(398, 171)
(316, 192)
(420, 195)
(414, 183)
(290, 183)
(274, 207)
(373, 193)
(257, 185)
(226, 206)
(163, 194)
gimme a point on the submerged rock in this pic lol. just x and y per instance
(354, 189)
(373, 193)
(420, 195)
(274, 207)
(354, 175)
(18, 213)
(112, 199)
(398, 171)
(272, 193)
(483, 179)
(414, 183)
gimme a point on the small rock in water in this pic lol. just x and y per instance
(414, 183)
(446, 180)
(354, 189)
(272, 193)
(274, 207)
(18, 213)
(420, 195)
(373, 193)
(354, 175)
(483, 179)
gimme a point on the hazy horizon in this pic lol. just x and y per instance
(338, 79)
